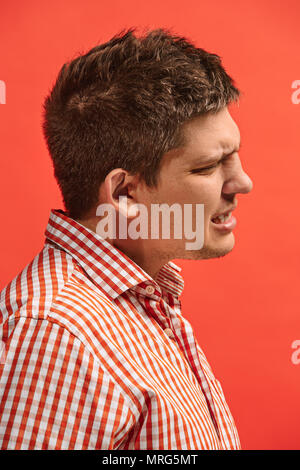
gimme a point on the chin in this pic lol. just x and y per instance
(216, 249)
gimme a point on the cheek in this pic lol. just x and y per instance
(207, 192)
(192, 190)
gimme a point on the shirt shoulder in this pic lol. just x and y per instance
(34, 290)
(55, 289)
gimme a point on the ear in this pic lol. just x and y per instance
(120, 192)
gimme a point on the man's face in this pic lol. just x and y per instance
(206, 171)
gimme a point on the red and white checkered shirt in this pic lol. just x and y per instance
(98, 355)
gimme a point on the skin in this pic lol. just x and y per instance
(212, 140)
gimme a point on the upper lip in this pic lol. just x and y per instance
(225, 212)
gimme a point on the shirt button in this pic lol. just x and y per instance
(150, 289)
(169, 333)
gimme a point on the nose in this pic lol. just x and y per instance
(237, 181)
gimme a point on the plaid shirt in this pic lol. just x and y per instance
(98, 355)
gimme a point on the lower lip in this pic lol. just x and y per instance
(226, 226)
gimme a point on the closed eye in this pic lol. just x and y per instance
(200, 170)
(207, 168)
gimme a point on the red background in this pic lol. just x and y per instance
(248, 313)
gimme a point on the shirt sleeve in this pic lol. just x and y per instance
(54, 393)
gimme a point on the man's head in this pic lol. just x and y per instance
(131, 118)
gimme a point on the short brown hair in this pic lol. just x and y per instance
(122, 105)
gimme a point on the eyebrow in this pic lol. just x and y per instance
(206, 160)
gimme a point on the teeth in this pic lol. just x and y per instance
(223, 218)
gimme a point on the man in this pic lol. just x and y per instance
(97, 352)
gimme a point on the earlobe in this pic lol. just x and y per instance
(127, 207)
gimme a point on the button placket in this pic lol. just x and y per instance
(168, 313)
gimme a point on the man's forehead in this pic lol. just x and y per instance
(218, 149)
(208, 139)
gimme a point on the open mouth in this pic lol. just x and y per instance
(222, 219)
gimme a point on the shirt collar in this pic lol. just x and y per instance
(111, 269)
